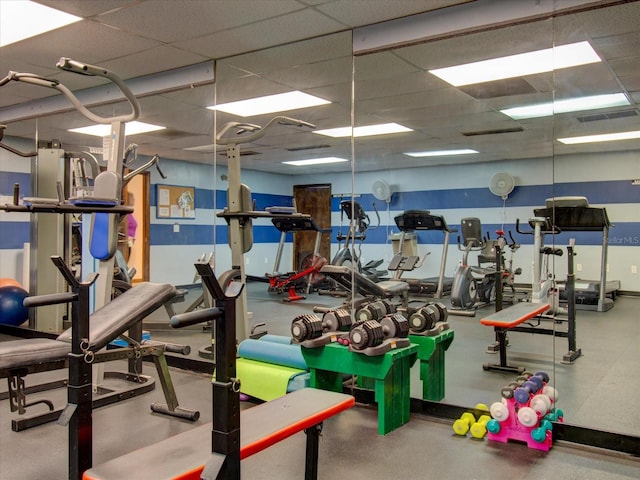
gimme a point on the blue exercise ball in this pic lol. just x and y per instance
(12, 312)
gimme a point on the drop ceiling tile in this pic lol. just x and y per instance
(180, 20)
(263, 34)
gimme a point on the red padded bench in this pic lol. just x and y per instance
(183, 457)
(504, 320)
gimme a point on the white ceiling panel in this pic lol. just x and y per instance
(135, 38)
(266, 33)
(192, 19)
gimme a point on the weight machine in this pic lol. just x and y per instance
(108, 184)
(239, 212)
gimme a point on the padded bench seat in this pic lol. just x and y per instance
(106, 324)
(502, 322)
(182, 457)
(515, 315)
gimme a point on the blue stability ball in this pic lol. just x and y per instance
(12, 312)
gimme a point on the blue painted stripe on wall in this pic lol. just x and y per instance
(189, 234)
(7, 179)
(13, 235)
(204, 199)
(601, 192)
(597, 192)
(621, 234)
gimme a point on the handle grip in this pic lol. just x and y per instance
(192, 318)
(50, 299)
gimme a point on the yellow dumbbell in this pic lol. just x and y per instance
(479, 428)
(462, 425)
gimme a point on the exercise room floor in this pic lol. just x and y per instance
(350, 446)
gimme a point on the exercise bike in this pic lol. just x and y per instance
(473, 287)
(359, 223)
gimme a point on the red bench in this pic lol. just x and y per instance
(507, 319)
(183, 457)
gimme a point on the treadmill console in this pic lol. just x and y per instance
(576, 219)
(412, 220)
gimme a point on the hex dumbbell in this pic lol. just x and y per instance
(309, 326)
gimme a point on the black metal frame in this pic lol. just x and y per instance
(502, 342)
(224, 462)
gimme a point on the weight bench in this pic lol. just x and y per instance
(509, 319)
(19, 358)
(353, 281)
(214, 451)
(183, 457)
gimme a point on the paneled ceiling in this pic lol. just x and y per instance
(138, 39)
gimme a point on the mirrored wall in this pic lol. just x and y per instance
(505, 165)
(466, 153)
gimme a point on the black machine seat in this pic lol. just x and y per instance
(16, 354)
(124, 311)
(106, 324)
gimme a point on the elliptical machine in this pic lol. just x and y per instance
(473, 287)
(359, 223)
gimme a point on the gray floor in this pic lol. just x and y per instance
(424, 448)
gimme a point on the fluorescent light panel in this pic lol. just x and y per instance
(606, 137)
(280, 102)
(441, 153)
(131, 128)
(519, 65)
(366, 131)
(22, 19)
(570, 105)
(315, 161)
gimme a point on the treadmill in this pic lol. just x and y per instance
(409, 222)
(573, 214)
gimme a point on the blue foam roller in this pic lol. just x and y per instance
(298, 382)
(276, 339)
(269, 352)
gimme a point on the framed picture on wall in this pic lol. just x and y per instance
(175, 201)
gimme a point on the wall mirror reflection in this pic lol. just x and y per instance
(468, 157)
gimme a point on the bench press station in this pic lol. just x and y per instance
(81, 346)
(511, 318)
(233, 435)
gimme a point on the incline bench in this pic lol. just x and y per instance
(19, 358)
(182, 456)
(80, 347)
(507, 319)
(355, 282)
(214, 451)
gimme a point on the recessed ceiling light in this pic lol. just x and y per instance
(519, 65)
(606, 137)
(441, 153)
(280, 102)
(366, 131)
(131, 128)
(21, 20)
(315, 161)
(565, 106)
